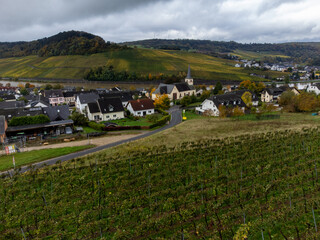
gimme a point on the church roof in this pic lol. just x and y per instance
(189, 73)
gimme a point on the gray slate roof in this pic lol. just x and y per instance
(53, 93)
(275, 91)
(167, 88)
(241, 92)
(164, 88)
(232, 100)
(87, 97)
(124, 96)
(109, 105)
(93, 107)
(12, 105)
(189, 73)
(57, 113)
(20, 112)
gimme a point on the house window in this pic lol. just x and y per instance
(149, 111)
(115, 115)
(107, 116)
(96, 117)
(110, 108)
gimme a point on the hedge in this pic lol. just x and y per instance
(118, 128)
(161, 121)
(28, 120)
(163, 112)
(96, 126)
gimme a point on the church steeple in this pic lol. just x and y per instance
(189, 73)
(189, 79)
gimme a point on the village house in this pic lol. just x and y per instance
(314, 88)
(125, 96)
(20, 112)
(55, 96)
(105, 109)
(70, 98)
(271, 94)
(141, 107)
(254, 97)
(83, 99)
(37, 101)
(57, 113)
(211, 105)
(176, 91)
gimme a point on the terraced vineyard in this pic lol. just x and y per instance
(264, 186)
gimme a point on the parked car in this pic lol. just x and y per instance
(68, 130)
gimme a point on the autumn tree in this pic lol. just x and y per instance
(252, 86)
(307, 102)
(288, 100)
(162, 101)
(222, 111)
(237, 112)
(247, 99)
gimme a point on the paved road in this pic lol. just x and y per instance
(176, 118)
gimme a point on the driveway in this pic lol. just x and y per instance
(176, 118)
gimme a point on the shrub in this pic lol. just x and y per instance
(79, 119)
(153, 118)
(28, 120)
(161, 121)
(96, 126)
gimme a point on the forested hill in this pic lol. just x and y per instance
(300, 52)
(64, 43)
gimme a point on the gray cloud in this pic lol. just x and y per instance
(126, 20)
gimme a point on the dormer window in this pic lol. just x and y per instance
(110, 108)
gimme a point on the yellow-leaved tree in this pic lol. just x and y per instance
(247, 99)
(162, 101)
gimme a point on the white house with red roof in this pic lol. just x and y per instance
(141, 107)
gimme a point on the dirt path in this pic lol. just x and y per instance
(95, 141)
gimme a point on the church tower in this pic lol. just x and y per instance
(189, 79)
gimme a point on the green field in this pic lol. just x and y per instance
(141, 61)
(25, 158)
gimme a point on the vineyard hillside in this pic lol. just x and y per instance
(143, 62)
(256, 185)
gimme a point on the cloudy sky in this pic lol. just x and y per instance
(127, 20)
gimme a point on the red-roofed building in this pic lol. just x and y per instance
(141, 107)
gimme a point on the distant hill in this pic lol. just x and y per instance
(298, 52)
(64, 43)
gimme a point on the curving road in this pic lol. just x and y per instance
(176, 118)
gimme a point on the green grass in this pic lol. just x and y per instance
(194, 104)
(192, 115)
(90, 130)
(141, 61)
(25, 158)
(143, 121)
